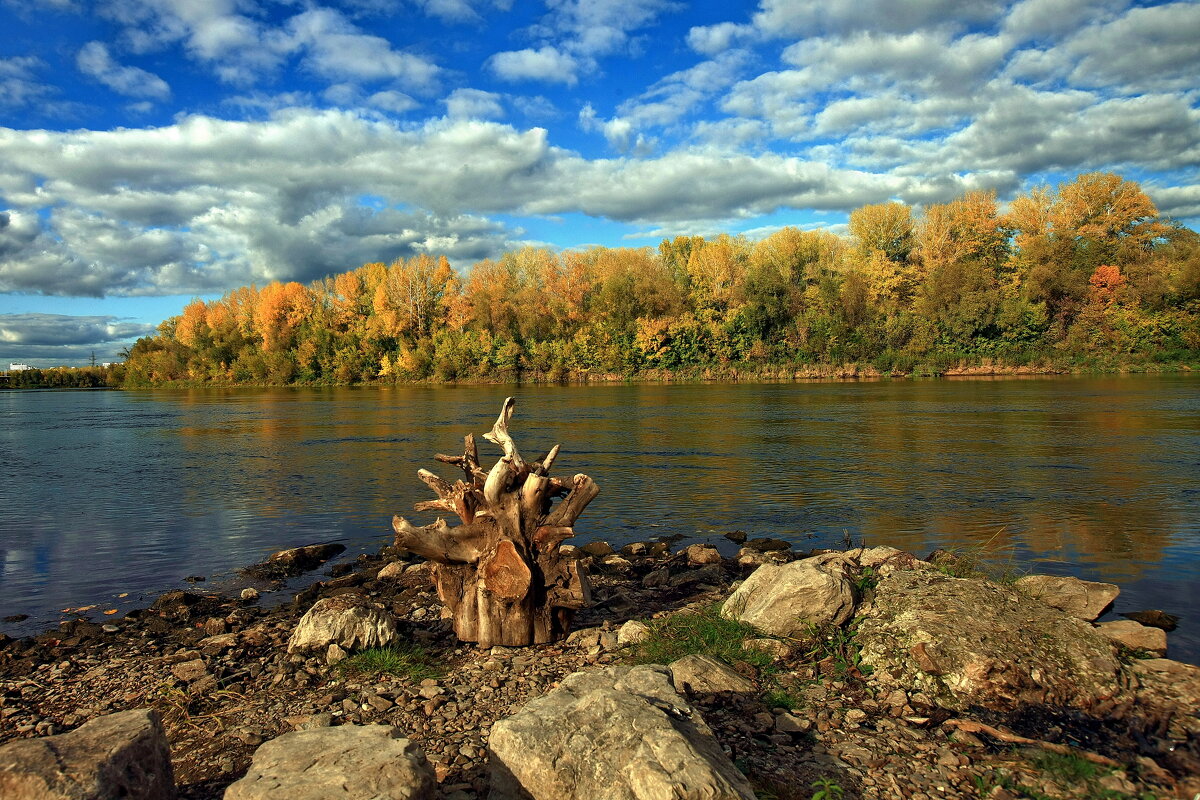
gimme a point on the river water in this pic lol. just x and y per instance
(107, 493)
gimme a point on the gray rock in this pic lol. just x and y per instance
(785, 600)
(288, 563)
(965, 641)
(632, 632)
(1084, 599)
(351, 762)
(706, 675)
(123, 756)
(621, 733)
(348, 620)
(1135, 635)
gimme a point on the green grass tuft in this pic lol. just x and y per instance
(403, 661)
(703, 632)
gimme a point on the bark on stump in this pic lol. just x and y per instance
(500, 573)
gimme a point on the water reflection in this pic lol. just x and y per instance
(106, 492)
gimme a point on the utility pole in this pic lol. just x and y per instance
(93, 358)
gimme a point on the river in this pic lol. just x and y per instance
(107, 493)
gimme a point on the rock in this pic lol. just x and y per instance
(965, 641)
(700, 554)
(1083, 599)
(297, 560)
(789, 723)
(620, 733)
(1154, 618)
(347, 620)
(123, 756)
(597, 549)
(334, 655)
(353, 762)
(249, 594)
(773, 647)
(737, 537)
(1135, 635)
(392, 571)
(785, 600)
(697, 674)
(632, 632)
(635, 550)
(767, 545)
(189, 671)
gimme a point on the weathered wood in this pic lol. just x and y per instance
(500, 574)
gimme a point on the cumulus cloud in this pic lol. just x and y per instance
(473, 104)
(712, 40)
(95, 61)
(336, 49)
(546, 64)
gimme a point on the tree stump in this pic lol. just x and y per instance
(500, 573)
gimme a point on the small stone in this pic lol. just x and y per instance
(334, 654)
(701, 554)
(790, 723)
(189, 671)
(392, 571)
(598, 549)
(632, 632)
(249, 594)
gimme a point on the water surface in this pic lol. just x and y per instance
(106, 493)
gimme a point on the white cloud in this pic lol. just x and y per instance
(19, 85)
(473, 104)
(1147, 49)
(713, 40)
(393, 101)
(95, 61)
(336, 50)
(546, 63)
(787, 18)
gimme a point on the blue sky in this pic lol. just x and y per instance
(156, 150)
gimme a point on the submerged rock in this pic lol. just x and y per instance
(297, 560)
(117, 757)
(969, 642)
(1154, 618)
(621, 733)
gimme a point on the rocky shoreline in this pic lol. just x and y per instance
(919, 680)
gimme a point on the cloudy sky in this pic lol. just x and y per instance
(156, 150)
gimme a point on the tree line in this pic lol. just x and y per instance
(1088, 275)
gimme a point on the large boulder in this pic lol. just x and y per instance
(966, 642)
(123, 756)
(1084, 599)
(350, 621)
(349, 762)
(785, 600)
(621, 733)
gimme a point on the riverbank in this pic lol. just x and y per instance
(818, 708)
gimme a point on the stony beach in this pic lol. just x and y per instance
(921, 680)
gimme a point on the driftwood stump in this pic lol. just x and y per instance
(500, 573)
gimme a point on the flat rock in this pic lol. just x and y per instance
(620, 733)
(348, 620)
(632, 632)
(698, 674)
(1083, 599)
(787, 599)
(1135, 635)
(121, 756)
(350, 762)
(294, 561)
(966, 641)
(392, 571)
(700, 554)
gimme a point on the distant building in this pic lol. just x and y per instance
(18, 367)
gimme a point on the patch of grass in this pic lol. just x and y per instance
(403, 661)
(1068, 768)
(982, 561)
(867, 580)
(837, 646)
(781, 698)
(702, 632)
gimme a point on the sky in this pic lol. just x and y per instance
(152, 151)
